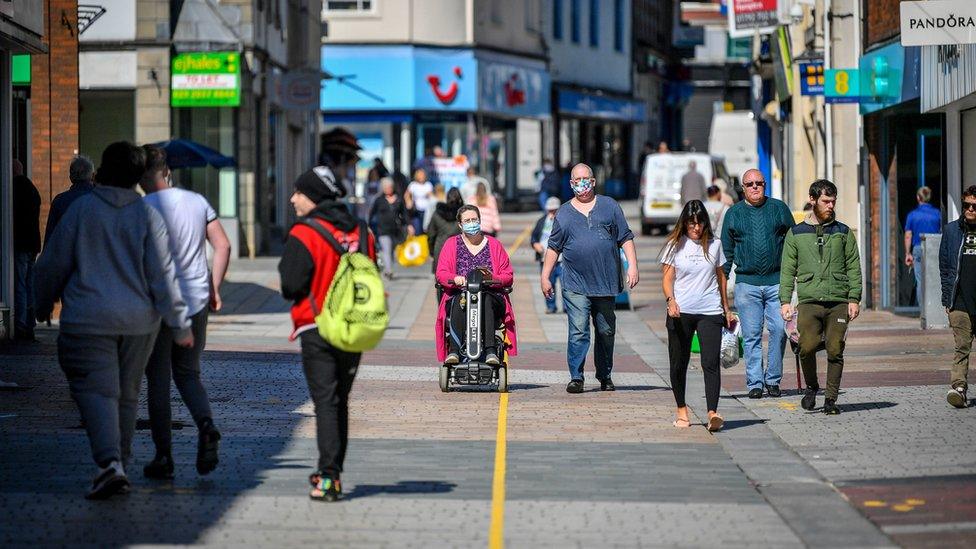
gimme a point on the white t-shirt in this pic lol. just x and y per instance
(187, 214)
(421, 193)
(696, 283)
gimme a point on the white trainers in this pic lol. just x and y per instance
(957, 397)
(108, 482)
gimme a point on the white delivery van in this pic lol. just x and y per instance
(733, 138)
(660, 194)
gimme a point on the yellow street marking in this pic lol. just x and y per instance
(787, 406)
(913, 501)
(902, 508)
(875, 503)
(520, 239)
(496, 532)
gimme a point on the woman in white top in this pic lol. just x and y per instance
(421, 191)
(694, 286)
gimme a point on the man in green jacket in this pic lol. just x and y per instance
(820, 258)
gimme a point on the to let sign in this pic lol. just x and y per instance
(749, 16)
(938, 22)
(210, 79)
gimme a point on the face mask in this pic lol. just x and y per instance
(582, 187)
(471, 228)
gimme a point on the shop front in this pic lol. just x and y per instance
(904, 151)
(597, 130)
(403, 103)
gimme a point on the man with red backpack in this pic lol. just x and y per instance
(307, 268)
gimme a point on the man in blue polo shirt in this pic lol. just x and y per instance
(589, 232)
(925, 219)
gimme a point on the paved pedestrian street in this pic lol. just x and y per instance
(536, 467)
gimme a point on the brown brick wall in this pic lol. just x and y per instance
(882, 20)
(54, 102)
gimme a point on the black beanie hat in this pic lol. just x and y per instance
(319, 184)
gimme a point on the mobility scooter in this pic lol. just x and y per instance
(472, 368)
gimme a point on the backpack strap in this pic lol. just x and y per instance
(317, 227)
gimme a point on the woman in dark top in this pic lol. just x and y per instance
(389, 214)
(443, 224)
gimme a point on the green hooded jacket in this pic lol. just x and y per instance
(822, 262)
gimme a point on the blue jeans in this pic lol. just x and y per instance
(557, 272)
(758, 305)
(24, 292)
(543, 196)
(580, 309)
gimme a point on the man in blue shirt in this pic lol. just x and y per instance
(589, 232)
(925, 219)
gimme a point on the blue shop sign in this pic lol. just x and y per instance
(599, 106)
(512, 86)
(398, 78)
(811, 78)
(889, 76)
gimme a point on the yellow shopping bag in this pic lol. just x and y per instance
(413, 252)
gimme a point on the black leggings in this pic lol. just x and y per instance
(492, 315)
(680, 331)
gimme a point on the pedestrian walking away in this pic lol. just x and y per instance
(81, 172)
(694, 287)
(307, 267)
(693, 186)
(491, 222)
(753, 233)
(547, 179)
(443, 225)
(589, 231)
(389, 215)
(191, 222)
(924, 219)
(716, 209)
(422, 192)
(540, 242)
(957, 265)
(27, 244)
(821, 261)
(109, 264)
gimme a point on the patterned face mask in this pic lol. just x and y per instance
(471, 228)
(583, 186)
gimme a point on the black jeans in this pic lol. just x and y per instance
(169, 360)
(330, 373)
(680, 332)
(491, 317)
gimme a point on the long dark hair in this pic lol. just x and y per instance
(694, 210)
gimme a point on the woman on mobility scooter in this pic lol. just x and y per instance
(463, 254)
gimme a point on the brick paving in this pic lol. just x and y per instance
(598, 469)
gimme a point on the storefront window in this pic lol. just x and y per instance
(213, 127)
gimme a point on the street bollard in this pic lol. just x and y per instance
(933, 315)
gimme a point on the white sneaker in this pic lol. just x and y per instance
(957, 397)
(109, 481)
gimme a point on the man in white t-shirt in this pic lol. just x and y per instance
(422, 192)
(191, 222)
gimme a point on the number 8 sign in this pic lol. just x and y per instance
(842, 86)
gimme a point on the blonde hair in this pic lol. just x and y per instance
(481, 195)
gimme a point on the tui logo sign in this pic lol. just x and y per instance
(446, 97)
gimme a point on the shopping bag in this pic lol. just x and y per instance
(413, 252)
(731, 346)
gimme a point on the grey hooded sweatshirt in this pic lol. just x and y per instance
(108, 262)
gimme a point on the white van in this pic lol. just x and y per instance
(660, 195)
(733, 138)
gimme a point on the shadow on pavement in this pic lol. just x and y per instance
(403, 487)
(248, 298)
(865, 406)
(738, 423)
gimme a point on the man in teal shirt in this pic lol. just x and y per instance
(752, 237)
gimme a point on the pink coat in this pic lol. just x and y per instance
(447, 270)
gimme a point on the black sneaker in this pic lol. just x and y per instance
(109, 481)
(575, 386)
(160, 468)
(773, 391)
(830, 407)
(492, 359)
(957, 397)
(324, 488)
(207, 447)
(809, 401)
(607, 385)
(755, 393)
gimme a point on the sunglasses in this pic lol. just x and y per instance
(969, 205)
(752, 184)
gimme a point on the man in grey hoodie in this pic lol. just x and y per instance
(108, 262)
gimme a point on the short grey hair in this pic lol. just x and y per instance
(81, 170)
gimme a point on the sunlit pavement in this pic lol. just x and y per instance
(427, 468)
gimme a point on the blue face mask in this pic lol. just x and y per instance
(471, 228)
